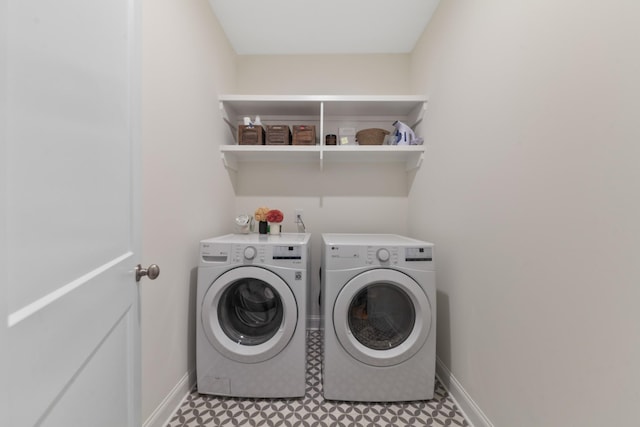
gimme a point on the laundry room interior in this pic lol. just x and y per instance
(528, 188)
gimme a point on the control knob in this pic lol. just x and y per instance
(249, 252)
(383, 255)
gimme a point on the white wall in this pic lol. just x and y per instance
(324, 74)
(187, 62)
(530, 192)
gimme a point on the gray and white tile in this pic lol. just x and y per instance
(200, 410)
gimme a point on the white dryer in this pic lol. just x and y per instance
(379, 306)
(251, 315)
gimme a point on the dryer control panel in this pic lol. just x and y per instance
(347, 251)
(422, 253)
(349, 256)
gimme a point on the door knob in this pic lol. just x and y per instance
(152, 272)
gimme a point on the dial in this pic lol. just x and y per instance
(249, 252)
(383, 254)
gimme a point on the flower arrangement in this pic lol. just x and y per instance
(275, 216)
(261, 214)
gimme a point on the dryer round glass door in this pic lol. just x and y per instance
(249, 314)
(382, 317)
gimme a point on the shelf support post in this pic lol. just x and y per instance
(321, 136)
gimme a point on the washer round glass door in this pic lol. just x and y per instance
(249, 314)
(382, 317)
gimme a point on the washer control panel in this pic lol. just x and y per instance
(214, 253)
(285, 250)
(271, 254)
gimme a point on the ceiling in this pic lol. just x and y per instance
(286, 27)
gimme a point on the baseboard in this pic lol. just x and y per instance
(471, 411)
(163, 413)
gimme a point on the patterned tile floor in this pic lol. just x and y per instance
(312, 410)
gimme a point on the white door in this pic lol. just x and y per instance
(69, 117)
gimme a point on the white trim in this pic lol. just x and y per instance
(321, 98)
(471, 411)
(172, 402)
(28, 310)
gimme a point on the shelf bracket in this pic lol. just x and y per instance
(414, 162)
(232, 127)
(229, 162)
(420, 115)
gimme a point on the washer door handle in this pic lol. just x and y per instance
(152, 272)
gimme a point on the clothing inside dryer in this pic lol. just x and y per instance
(250, 311)
(381, 316)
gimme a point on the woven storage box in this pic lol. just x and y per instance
(373, 136)
(250, 135)
(304, 135)
(278, 135)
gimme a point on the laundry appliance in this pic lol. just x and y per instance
(251, 315)
(379, 307)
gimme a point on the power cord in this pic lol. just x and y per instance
(300, 221)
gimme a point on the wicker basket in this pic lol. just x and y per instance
(373, 136)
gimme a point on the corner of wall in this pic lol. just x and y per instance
(162, 415)
(470, 410)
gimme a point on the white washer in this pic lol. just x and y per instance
(251, 315)
(379, 304)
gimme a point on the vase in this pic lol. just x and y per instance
(262, 227)
(275, 228)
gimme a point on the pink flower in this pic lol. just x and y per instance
(274, 215)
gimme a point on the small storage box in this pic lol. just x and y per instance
(250, 135)
(304, 135)
(278, 135)
(347, 136)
